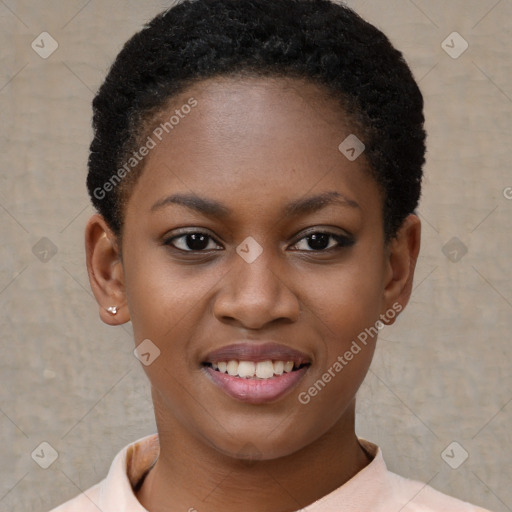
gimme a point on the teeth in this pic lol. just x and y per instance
(264, 370)
(278, 367)
(250, 369)
(246, 369)
(233, 368)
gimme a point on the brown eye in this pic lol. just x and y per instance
(318, 242)
(323, 241)
(190, 242)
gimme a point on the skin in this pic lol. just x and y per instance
(253, 145)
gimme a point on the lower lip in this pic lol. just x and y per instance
(256, 391)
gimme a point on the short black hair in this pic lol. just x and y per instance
(318, 40)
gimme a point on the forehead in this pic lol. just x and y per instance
(240, 107)
(252, 137)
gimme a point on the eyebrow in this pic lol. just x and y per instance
(314, 203)
(212, 208)
(202, 205)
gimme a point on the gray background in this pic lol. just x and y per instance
(441, 374)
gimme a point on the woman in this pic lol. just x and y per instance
(256, 167)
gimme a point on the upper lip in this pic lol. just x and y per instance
(249, 351)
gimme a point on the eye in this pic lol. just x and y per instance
(192, 241)
(320, 241)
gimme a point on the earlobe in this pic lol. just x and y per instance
(105, 270)
(401, 261)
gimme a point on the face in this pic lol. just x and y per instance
(251, 238)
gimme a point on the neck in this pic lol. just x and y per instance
(190, 475)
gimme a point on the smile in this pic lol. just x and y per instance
(256, 373)
(255, 370)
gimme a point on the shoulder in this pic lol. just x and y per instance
(84, 502)
(419, 497)
(116, 491)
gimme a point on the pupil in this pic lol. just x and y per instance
(196, 242)
(319, 241)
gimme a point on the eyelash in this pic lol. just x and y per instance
(343, 241)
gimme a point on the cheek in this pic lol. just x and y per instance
(152, 303)
(345, 305)
(346, 298)
(346, 308)
(162, 296)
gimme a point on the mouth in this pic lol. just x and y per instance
(256, 374)
(255, 369)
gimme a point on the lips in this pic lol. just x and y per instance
(257, 352)
(256, 373)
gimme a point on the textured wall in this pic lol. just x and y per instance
(441, 374)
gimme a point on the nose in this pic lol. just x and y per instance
(255, 294)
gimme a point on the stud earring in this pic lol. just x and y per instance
(112, 310)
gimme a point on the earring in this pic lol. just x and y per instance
(112, 310)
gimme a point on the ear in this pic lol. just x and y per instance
(105, 270)
(401, 257)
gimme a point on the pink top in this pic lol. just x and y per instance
(373, 489)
